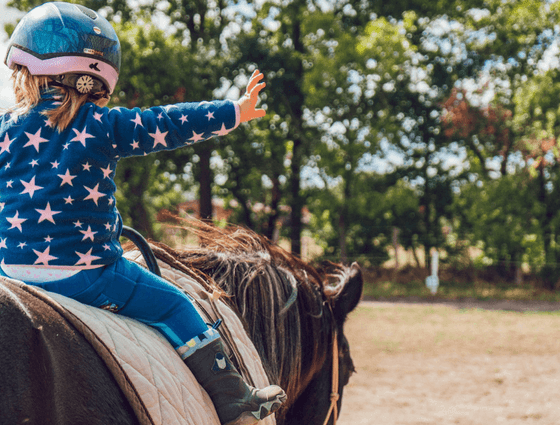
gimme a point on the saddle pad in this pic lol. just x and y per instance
(159, 386)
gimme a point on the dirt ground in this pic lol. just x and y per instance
(453, 363)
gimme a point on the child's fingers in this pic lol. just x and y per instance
(255, 78)
(256, 113)
(259, 113)
(254, 92)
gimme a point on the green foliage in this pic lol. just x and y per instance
(504, 206)
(154, 72)
(367, 234)
(430, 9)
(369, 105)
(537, 111)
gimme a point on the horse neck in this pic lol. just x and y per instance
(292, 343)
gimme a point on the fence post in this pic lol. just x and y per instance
(432, 282)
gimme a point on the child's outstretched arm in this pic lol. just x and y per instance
(138, 132)
(248, 103)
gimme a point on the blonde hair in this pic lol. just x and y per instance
(27, 90)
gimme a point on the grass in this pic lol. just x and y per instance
(452, 290)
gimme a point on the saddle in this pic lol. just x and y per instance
(158, 385)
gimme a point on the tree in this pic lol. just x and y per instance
(537, 120)
(518, 128)
(362, 72)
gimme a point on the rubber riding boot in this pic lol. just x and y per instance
(236, 402)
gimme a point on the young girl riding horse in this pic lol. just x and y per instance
(59, 225)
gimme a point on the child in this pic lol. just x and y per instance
(59, 225)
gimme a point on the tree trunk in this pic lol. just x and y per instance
(297, 200)
(274, 204)
(396, 232)
(550, 272)
(296, 100)
(205, 180)
(342, 238)
(137, 186)
(415, 256)
(343, 219)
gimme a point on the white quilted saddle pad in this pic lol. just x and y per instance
(167, 390)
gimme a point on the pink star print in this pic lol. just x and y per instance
(222, 131)
(5, 145)
(15, 221)
(97, 116)
(106, 172)
(30, 187)
(47, 213)
(66, 178)
(210, 115)
(94, 193)
(44, 257)
(86, 258)
(81, 136)
(3, 243)
(184, 119)
(35, 140)
(159, 137)
(137, 121)
(88, 234)
(197, 137)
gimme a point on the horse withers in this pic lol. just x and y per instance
(293, 313)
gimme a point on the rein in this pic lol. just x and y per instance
(333, 409)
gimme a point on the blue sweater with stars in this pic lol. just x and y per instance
(57, 204)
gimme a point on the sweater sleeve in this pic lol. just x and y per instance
(136, 132)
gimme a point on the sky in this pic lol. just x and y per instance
(6, 15)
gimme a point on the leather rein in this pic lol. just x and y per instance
(335, 396)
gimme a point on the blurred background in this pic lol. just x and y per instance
(394, 129)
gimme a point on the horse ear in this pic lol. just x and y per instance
(350, 295)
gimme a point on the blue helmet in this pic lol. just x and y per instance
(70, 42)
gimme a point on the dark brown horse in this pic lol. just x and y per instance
(294, 314)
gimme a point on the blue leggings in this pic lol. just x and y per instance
(129, 289)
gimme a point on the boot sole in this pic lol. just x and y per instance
(265, 409)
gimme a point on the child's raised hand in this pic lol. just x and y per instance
(248, 103)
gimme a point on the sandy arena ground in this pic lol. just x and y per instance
(446, 364)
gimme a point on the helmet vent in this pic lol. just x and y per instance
(88, 12)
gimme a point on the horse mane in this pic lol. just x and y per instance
(259, 279)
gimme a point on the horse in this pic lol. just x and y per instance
(293, 312)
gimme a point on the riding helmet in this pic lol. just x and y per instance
(70, 42)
